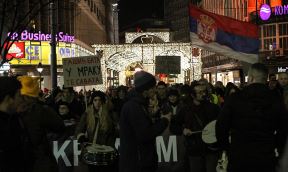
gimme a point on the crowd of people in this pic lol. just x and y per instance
(251, 123)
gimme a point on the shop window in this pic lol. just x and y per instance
(269, 30)
(283, 43)
(283, 29)
(268, 42)
(91, 6)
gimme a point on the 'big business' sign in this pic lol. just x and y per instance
(39, 36)
(265, 11)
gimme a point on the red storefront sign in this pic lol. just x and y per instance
(17, 50)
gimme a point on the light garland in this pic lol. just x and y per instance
(119, 57)
(131, 36)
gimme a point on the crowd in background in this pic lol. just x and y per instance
(74, 115)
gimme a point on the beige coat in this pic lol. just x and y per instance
(87, 126)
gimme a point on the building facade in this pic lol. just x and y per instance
(272, 34)
(177, 12)
(79, 25)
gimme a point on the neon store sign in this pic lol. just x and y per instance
(39, 36)
(265, 11)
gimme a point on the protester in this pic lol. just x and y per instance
(118, 104)
(97, 115)
(12, 157)
(230, 89)
(211, 96)
(283, 81)
(252, 117)
(192, 119)
(161, 91)
(70, 124)
(39, 120)
(75, 106)
(173, 104)
(137, 132)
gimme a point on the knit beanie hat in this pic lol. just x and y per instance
(30, 86)
(98, 94)
(143, 81)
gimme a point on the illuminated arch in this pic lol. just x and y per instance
(130, 37)
(118, 56)
(120, 60)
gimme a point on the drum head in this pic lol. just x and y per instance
(209, 133)
(99, 148)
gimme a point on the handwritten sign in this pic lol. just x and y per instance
(167, 64)
(80, 71)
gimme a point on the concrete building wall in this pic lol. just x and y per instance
(90, 22)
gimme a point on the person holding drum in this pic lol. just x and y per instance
(99, 140)
(137, 131)
(191, 122)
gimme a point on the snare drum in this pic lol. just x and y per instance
(209, 133)
(209, 136)
(94, 154)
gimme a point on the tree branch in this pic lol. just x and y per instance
(2, 22)
(20, 28)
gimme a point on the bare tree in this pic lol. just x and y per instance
(15, 17)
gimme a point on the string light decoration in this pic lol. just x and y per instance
(131, 36)
(119, 56)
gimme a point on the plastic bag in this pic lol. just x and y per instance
(222, 163)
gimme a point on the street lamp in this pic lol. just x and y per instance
(115, 21)
(40, 70)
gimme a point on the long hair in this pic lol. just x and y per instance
(102, 117)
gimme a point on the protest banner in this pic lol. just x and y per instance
(81, 71)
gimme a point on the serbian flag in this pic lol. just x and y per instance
(224, 35)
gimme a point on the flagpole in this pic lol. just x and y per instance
(257, 21)
(256, 12)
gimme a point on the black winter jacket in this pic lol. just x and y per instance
(195, 118)
(40, 120)
(137, 136)
(252, 117)
(11, 151)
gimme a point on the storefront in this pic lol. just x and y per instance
(30, 49)
(224, 77)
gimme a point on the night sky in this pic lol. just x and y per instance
(134, 10)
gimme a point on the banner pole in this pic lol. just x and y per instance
(85, 95)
